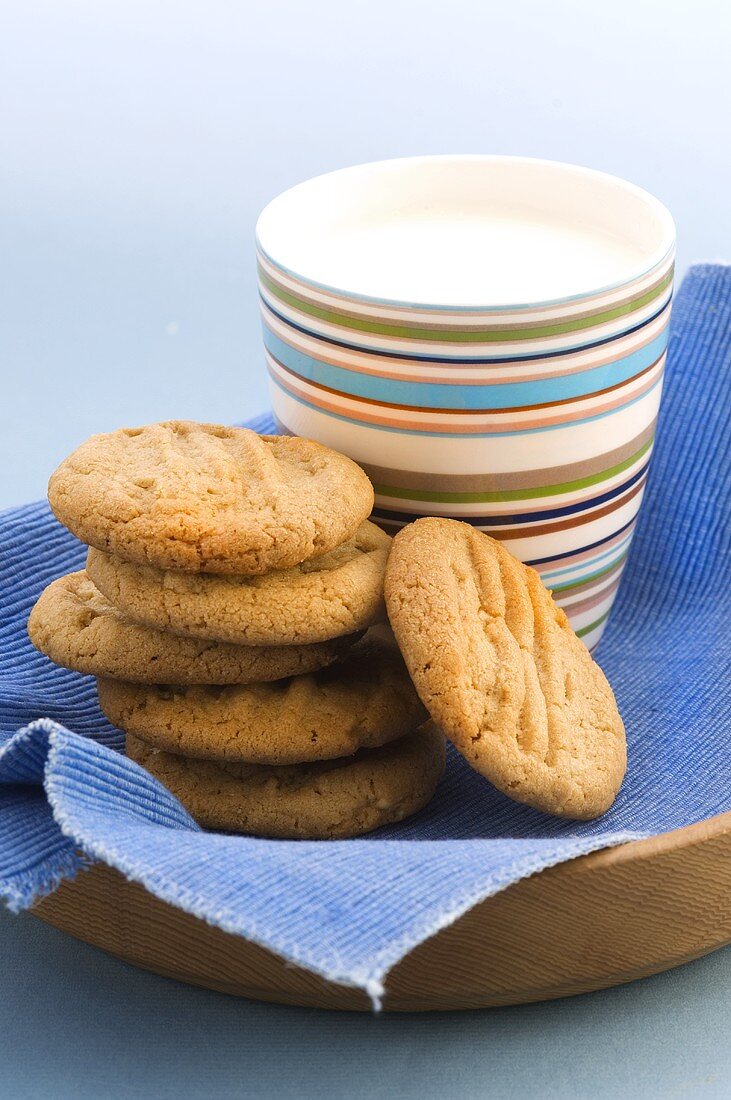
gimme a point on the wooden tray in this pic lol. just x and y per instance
(597, 921)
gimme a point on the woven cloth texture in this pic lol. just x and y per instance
(349, 910)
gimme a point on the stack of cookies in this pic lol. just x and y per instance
(230, 609)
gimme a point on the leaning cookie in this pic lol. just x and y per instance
(499, 668)
(320, 801)
(74, 625)
(202, 497)
(325, 597)
(364, 701)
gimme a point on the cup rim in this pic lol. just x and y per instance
(660, 256)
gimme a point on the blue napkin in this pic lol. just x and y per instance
(349, 910)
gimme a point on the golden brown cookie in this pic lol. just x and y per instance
(74, 625)
(325, 800)
(325, 597)
(500, 670)
(193, 497)
(362, 702)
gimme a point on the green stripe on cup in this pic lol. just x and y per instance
(592, 626)
(565, 588)
(464, 336)
(438, 497)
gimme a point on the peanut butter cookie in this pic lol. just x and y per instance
(501, 671)
(324, 597)
(201, 497)
(74, 625)
(325, 800)
(362, 702)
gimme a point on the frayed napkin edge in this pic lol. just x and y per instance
(22, 891)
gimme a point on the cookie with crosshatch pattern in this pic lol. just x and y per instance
(208, 498)
(500, 670)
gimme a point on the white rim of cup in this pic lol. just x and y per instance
(658, 257)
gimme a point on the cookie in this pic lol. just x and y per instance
(194, 497)
(500, 670)
(325, 597)
(326, 800)
(362, 702)
(74, 625)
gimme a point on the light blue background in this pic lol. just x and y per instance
(138, 141)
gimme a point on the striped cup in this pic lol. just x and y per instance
(486, 336)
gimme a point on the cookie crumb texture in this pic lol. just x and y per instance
(188, 496)
(364, 701)
(332, 594)
(500, 670)
(78, 628)
(327, 800)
